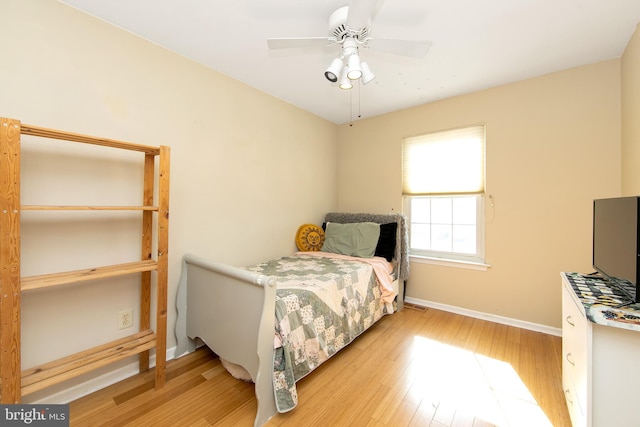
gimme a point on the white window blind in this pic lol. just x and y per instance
(448, 162)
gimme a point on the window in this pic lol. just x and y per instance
(443, 188)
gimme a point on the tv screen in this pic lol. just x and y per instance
(615, 239)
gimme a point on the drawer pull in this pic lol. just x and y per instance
(569, 358)
(569, 321)
(567, 395)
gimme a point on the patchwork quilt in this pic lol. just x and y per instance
(322, 304)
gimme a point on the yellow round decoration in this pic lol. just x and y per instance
(309, 237)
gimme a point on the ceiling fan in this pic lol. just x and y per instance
(350, 27)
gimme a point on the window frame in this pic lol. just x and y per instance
(476, 258)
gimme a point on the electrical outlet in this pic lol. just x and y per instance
(125, 319)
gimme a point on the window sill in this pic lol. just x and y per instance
(450, 262)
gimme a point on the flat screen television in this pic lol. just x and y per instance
(616, 250)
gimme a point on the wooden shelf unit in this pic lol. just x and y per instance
(15, 382)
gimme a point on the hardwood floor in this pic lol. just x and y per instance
(414, 368)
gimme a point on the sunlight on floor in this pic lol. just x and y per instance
(475, 385)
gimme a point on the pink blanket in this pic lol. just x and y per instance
(381, 267)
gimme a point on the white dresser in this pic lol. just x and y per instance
(600, 355)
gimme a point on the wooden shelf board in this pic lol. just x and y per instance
(40, 377)
(86, 139)
(86, 208)
(56, 279)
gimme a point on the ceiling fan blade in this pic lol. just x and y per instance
(298, 42)
(410, 48)
(376, 9)
(360, 13)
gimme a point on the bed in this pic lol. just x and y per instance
(280, 319)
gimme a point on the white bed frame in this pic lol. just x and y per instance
(243, 336)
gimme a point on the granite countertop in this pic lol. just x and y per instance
(604, 304)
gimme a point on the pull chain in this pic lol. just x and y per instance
(350, 108)
(359, 99)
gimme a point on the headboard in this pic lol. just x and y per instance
(402, 246)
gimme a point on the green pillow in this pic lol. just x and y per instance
(357, 239)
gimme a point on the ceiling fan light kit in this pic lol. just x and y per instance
(345, 82)
(335, 69)
(347, 65)
(354, 72)
(367, 74)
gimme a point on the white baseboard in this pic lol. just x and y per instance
(487, 316)
(84, 388)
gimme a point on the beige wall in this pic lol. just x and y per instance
(240, 175)
(553, 145)
(630, 114)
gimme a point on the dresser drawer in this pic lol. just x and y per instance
(575, 332)
(576, 411)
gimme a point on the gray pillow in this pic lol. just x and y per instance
(356, 239)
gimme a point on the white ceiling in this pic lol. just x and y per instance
(477, 44)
